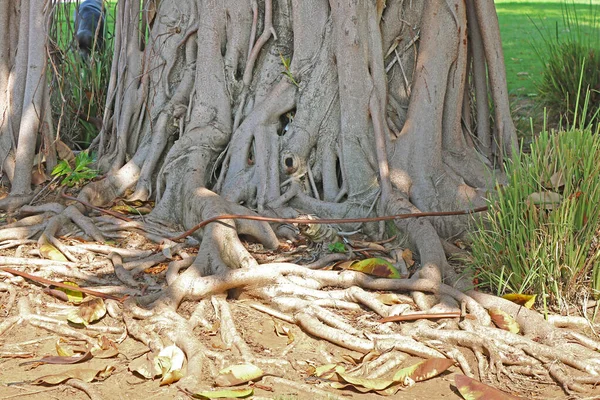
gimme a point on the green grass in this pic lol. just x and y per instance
(520, 36)
(541, 233)
(78, 89)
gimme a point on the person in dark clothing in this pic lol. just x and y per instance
(89, 27)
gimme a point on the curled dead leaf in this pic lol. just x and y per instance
(503, 320)
(90, 309)
(170, 362)
(238, 374)
(145, 366)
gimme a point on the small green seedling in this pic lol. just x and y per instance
(337, 247)
(286, 64)
(76, 176)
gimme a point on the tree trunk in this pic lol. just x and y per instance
(339, 109)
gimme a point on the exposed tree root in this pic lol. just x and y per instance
(200, 118)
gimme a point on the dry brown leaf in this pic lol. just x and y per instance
(547, 200)
(503, 320)
(238, 374)
(407, 255)
(90, 309)
(83, 374)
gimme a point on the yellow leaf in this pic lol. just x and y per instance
(74, 296)
(389, 299)
(52, 253)
(374, 266)
(526, 300)
(282, 330)
(326, 371)
(503, 320)
(423, 370)
(61, 350)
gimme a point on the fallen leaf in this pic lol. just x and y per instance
(525, 300)
(365, 358)
(74, 296)
(503, 320)
(472, 389)
(548, 200)
(145, 366)
(124, 209)
(61, 350)
(362, 385)
(390, 299)
(380, 7)
(407, 255)
(224, 394)
(52, 253)
(557, 180)
(38, 177)
(63, 359)
(170, 362)
(403, 378)
(372, 266)
(368, 245)
(90, 309)
(83, 374)
(327, 370)
(57, 294)
(64, 152)
(238, 374)
(424, 370)
(105, 348)
(283, 331)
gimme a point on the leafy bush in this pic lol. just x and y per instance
(78, 175)
(571, 61)
(542, 233)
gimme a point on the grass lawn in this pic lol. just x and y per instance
(520, 36)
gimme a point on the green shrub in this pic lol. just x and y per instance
(78, 175)
(541, 234)
(571, 60)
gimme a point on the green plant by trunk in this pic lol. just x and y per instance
(78, 87)
(78, 175)
(541, 235)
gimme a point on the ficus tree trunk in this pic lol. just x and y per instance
(338, 109)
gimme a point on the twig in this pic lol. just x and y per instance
(109, 212)
(62, 285)
(305, 221)
(415, 317)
